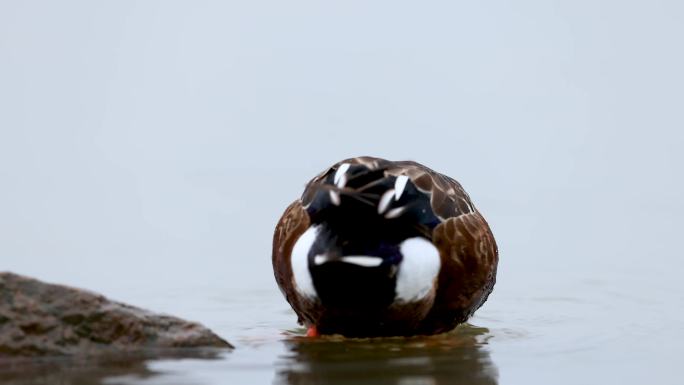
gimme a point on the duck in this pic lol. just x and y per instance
(380, 248)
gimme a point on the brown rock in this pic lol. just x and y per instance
(38, 318)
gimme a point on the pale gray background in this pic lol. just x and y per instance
(139, 136)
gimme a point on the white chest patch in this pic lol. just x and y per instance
(300, 263)
(418, 269)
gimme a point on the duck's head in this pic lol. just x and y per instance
(368, 247)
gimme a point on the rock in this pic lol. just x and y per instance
(38, 319)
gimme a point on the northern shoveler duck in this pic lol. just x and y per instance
(381, 248)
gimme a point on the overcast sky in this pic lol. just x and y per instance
(161, 140)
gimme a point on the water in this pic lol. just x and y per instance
(557, 327)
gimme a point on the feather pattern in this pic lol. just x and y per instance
(447, 196)
(467, 249)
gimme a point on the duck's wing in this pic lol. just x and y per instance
(447, 197)
(469, 258)
(291, 226)
(468, 251)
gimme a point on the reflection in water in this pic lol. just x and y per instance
(97, 370)
(459, 357)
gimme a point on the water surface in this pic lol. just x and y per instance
(591, 333)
